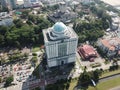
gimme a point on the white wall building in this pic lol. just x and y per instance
(60, 44)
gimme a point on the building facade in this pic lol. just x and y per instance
(60, 44)
(87, 52)
(110, 47)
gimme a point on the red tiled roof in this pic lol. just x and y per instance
(87, 51)
(110, 43)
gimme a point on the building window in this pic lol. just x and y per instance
(62, 49)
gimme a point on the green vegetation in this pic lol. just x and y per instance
(52, 8)
(106, 85)
(114, 66)
(34, 59)
(16, 56)
(108, 73)
(21, 34)
(59, 85)
(95, 65)
(86, 77)
(38, 88)
(36, 72)
(9, 80)
(3, 9)
(106, 62)
(0, 79)
(34, 54)
(13, 56)
(73, 83)
(35, 48)
(100, 13)
(89, 31)
(84, 80)
(100, 86)
(104, 6)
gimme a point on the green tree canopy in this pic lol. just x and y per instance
(9, 80)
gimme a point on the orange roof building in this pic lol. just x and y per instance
(110, 46)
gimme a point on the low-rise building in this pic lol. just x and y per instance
(114, 25)
(32, 3)
(63, 14)
(6, 19)
(110, 47)
(65, 17)
(51, 2)
(87, 52)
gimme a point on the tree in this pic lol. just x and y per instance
(5, 9)
(22, 34)
(89, 31)
(9, 80)
(3, 30)
(0, 79)
(96, 75)
(93, 9)
(32, 18)
(25, 13)
(100, 13)
(18, 23)
(85, 78)
(37, 88)
(34, 59)
(1, 40)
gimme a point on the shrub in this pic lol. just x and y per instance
(9, 80)
(95, 65)
(34, 54)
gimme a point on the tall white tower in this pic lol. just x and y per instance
(60, 44)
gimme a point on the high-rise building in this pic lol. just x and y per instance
(60, 44)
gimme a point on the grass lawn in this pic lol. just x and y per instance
(110, 73)
(35, 48)
(106, 85)
(103, 85)
(72, 85)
